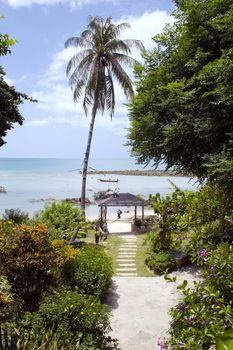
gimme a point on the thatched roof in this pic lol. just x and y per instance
(122, 200)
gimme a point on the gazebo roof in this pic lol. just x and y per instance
(122, 200)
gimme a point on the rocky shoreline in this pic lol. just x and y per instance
(136, 172)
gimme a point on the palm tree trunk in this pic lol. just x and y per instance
(86, 160)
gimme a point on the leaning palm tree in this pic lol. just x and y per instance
(92, 72)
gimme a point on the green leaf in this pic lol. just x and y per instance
(225, 342)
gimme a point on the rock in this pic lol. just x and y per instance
(180, 258)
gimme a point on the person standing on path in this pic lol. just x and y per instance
(119, 212)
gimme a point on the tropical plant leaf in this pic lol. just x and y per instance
(225, 342)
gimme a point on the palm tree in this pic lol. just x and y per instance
(93, 69)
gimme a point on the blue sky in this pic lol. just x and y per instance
(55, 126)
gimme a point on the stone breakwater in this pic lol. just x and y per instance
(137, 172)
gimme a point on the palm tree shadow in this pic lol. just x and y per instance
(112, 296)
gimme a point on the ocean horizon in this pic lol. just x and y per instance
(33, 182)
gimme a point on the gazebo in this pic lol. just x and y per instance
(121, 200)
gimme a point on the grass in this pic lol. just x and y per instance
(112, 245)
(141, 255)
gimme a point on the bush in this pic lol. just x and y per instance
(16, 215)
(161, 262)
(206, 236)
(65, 256)
(16, 339)
(26, 259)
(61, 219)
(77, 319)
(206, 311)
(92, 271)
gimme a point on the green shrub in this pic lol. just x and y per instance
(161, 262)
(157, 242)
(17, 339)
(206, 311)
(16, 215)
(218, 270)
(92, 271)
(26, 259)
(77, 319)
(61, 219)
(205, 236)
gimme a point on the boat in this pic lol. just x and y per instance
(108, 180)
(2, 189)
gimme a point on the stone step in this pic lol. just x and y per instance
(126, 269)
(126, 264)
(130, 274)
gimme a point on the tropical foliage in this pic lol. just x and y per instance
(206, 311)
(61, 219)
(182, 112)
(94, 69)
(50, 292)
(9, 97)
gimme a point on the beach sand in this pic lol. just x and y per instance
(126, 217)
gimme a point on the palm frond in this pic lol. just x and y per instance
(91, 84)
(74, 41)
(118, 45)
(75, 60)
(110, 96)
(135, 43)
(122, 77)
(81, 71)
(121, 26)
(127, 60)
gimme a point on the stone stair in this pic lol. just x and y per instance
(126, 262)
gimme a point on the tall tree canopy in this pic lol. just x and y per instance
(92, 71)
(10, 99)
(182, 113)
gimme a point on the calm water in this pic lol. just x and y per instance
(31, 181)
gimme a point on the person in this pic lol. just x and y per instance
(98, 235)
(105, 230)
(119, 212)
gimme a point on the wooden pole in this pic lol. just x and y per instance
(105, 214)
(142, 213)
(135, 213)
(101, 213)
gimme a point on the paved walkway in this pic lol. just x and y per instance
(140, 305)
(126, 256)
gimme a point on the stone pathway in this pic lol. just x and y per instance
(126, 264)
(140, 305)
(140, 308)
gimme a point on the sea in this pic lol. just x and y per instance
(32, 183)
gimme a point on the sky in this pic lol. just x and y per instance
(55, 127)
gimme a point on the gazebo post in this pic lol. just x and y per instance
(105, 214)
(101, 213)
(142, 213)
(135, 213)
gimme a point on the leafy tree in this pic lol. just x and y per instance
(94, 68)
(182, 112)
(10, 99)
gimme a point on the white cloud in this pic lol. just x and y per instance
(55, 97)
(72, 3)
(117, 125)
